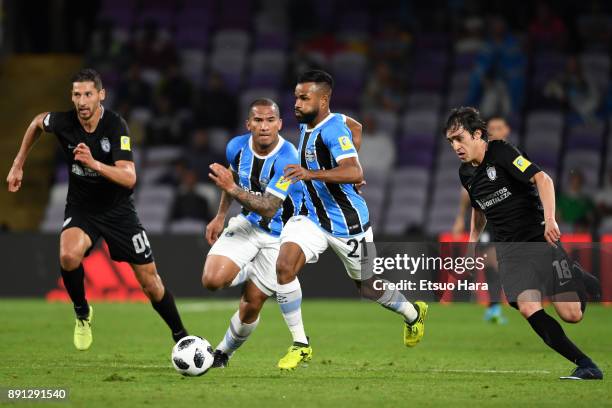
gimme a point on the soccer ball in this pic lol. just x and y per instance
(192, 356)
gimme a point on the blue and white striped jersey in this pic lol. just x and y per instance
(337, 208)
(259, 174)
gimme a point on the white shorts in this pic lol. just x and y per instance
(313, 241)
(250, 247)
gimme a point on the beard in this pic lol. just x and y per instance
(306, 117)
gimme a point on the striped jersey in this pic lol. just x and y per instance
(259, 174)
(337, 208)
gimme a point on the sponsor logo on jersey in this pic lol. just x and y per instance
(105, 143)
(84, 171)
(491, 173)
(495, 198)
(310, 154)
(521, 163)
(125, 143)
(283, 183)
(345, 143)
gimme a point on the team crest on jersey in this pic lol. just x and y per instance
(310, 154)
(263, 182)
(105, 143)
(491, 173)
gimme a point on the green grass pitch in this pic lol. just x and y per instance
(359, 358)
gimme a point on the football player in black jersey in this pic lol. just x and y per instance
(518, 199)
(100, 202)
(497, 129)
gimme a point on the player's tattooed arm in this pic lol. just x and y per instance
(356, 130)
(30, 137)
(265, 205)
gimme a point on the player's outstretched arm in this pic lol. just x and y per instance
(348, 172)
(546, 190)
(31, 136)
(265, 205)
(215, 226)
(356, 130)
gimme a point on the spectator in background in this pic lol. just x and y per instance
(501, 59)
(152, 50)
(200, 156)
(603, 199)
(217, 106)
(164, 127)
(377, 149)
(176, 88)
(133, 92)
(188, 204)
(573, 89)
(495, 96)
(547, 30)
(574, 206)
(382, 90)
(104, 52)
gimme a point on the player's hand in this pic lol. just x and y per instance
(214, 229)
(295, 173)
(359, 186)
(14, 179)
(552, 232)
(222, 176)
(83, 155)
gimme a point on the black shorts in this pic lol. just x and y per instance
(537, 265)
(120, 227)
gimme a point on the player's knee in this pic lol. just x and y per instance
(572, 315)
(70, 260)
(213, 281)
(528, 308)
(284, 271)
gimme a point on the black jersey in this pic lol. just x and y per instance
(500, 187)
(109, 143)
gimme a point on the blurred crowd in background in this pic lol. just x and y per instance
(183, 73)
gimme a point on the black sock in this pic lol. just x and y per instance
(553, 335)
(167, 310)
(75, 286)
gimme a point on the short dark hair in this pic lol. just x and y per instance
(317, 76)
(468, 118)
(264, 102)
(88, 75)
(497, 117)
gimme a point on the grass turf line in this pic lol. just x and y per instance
(359, 359)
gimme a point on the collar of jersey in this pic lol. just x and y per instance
(281, 141)
(328, 117)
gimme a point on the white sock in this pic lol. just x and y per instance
(289, 298)
(242, 276)
(236, 334)
(395, 301)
